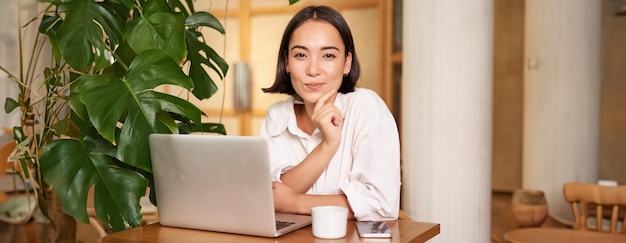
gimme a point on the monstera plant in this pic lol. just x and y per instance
(89, 128)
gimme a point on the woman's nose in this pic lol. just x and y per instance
(312, 68)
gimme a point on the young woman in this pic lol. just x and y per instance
(330, 142)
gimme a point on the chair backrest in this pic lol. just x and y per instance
(6, 148)
(5, 152)
(609, 202)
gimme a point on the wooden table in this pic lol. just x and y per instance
(547, 235)
(403, 231)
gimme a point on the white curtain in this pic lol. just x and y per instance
(13, 14)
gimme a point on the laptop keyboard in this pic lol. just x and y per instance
(282, 224)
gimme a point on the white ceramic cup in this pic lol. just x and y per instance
(329, 222)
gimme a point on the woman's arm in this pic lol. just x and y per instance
(373, 188)
(305, 174)
(328, 119)
(287, 200)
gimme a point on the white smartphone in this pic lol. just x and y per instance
(373, 229)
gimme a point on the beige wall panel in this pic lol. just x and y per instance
(613, 112)
(256, 125)
(364, 24)
(508, 83)
(266, 32)
(212, 5)
(268, 3)
(302, 3)
(231, 123)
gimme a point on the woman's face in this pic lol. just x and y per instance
(316, 60)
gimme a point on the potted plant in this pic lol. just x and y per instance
(100, 102)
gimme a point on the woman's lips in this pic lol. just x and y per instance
(314, 85)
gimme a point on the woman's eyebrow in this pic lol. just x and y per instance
(323, 48)
(298, 47)
(330, 48)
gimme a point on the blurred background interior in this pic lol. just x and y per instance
(254, 28)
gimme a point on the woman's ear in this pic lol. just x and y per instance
(348, 65)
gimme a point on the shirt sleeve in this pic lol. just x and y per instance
(274, 124)
(373, 190)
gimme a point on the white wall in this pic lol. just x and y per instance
(447, 116)
(14, 14)
(8, 54)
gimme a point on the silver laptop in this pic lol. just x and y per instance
(217, 183)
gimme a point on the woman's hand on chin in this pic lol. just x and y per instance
(328, 118)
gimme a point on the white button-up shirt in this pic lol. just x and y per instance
(366, 167)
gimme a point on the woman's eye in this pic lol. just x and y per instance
(299, 55)
(329, 55)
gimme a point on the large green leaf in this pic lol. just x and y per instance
(127, 3)
(75, 103)
(199, 54)
(80, 36)
(204, 19)
(158, 28)
(117, 190)
(136, 105)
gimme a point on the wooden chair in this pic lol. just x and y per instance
(5, 152)
(609, 203)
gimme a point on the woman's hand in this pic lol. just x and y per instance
(328, 118)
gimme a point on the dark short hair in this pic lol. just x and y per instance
(282, 83)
